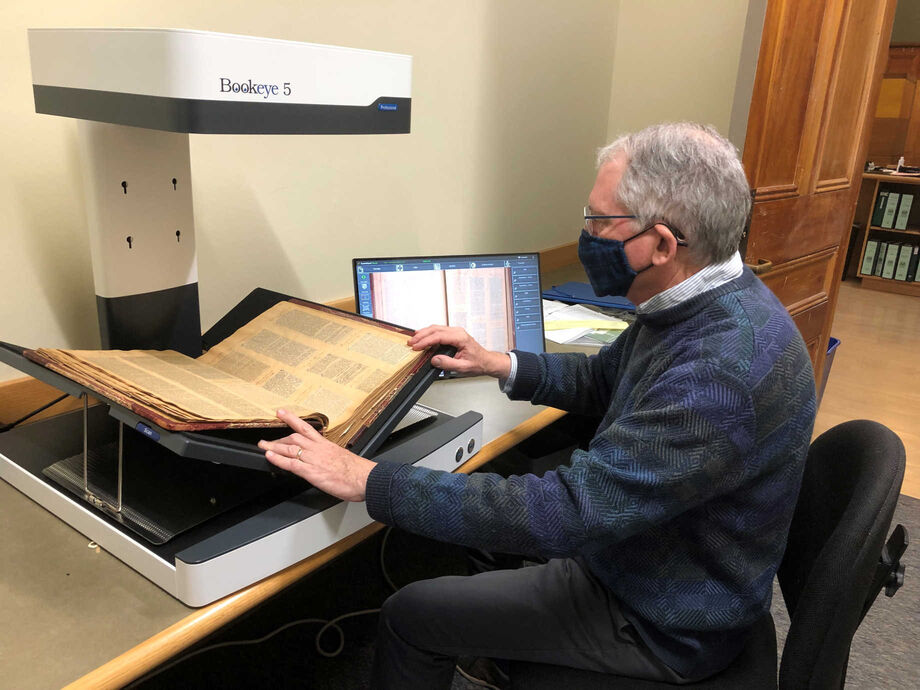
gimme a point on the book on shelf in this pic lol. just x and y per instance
(891, 208)
(880, 259)
(912, 267)
(900, 220)
(903, 262)
(891, 260)
(338, 371)
(869, 255)
(879, 211)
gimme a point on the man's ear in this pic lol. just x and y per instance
(665, 246)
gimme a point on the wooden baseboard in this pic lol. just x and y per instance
(559, 257)
(19, 397)
(345, 304)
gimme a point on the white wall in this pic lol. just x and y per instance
(676, 60)
(510, 100)
(499, 156)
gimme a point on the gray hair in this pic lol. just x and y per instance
(689, 177)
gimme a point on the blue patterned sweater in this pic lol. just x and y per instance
(682, 502)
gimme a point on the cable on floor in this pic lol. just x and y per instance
(327, 625)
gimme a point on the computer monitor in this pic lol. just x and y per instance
(494, 297)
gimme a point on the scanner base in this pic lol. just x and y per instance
(270, 530)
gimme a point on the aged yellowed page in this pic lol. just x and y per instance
(173, 381)
(339, 372)
(315, 359)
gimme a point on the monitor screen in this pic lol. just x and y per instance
(494, 297)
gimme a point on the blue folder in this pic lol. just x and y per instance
(581, 293)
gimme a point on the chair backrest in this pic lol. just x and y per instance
(849, 491)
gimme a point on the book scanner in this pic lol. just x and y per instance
(200, 514)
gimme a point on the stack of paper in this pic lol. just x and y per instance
(574, 324)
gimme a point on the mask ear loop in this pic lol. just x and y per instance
(677, 234)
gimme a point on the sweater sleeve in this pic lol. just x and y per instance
(573, 382)
(684, 441)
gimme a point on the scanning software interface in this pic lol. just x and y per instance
(495, 298)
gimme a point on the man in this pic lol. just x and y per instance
(666, 533)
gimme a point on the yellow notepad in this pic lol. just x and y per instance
(595, 324)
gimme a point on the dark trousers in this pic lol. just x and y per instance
(555, 613)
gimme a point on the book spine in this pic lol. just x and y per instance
(879, 211)
(891, 259)
(869, 258)
(900, 271)
(912, 269)
(891, 207)
(900, 221)
(880, 258)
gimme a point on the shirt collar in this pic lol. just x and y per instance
(705, 279)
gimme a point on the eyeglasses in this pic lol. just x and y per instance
(597, 223)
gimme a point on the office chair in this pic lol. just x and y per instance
(835, 564)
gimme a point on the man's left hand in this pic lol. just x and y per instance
(325, 465)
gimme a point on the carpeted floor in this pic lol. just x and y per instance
(884, 652)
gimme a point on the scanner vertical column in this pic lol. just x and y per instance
(142, 237)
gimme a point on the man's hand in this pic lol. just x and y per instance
(471, 358)
(325, 465)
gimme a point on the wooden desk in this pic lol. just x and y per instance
(71, 608)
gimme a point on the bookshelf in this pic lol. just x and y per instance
(908, 236)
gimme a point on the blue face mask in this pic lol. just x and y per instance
(606, 264)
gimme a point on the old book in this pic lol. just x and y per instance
(900, 221)
(880, 258)
(337, 370)
(879, 211)
(891, 260)
(891, 207)
(869, 258)
(912, 269)
(903, 262)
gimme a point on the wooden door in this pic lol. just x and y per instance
(815, 90)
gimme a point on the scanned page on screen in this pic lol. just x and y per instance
(413, 299)
(479, 301)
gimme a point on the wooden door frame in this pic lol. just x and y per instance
(831, 234)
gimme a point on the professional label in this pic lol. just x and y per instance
(266, 91)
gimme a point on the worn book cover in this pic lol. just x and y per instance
(339, 371)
